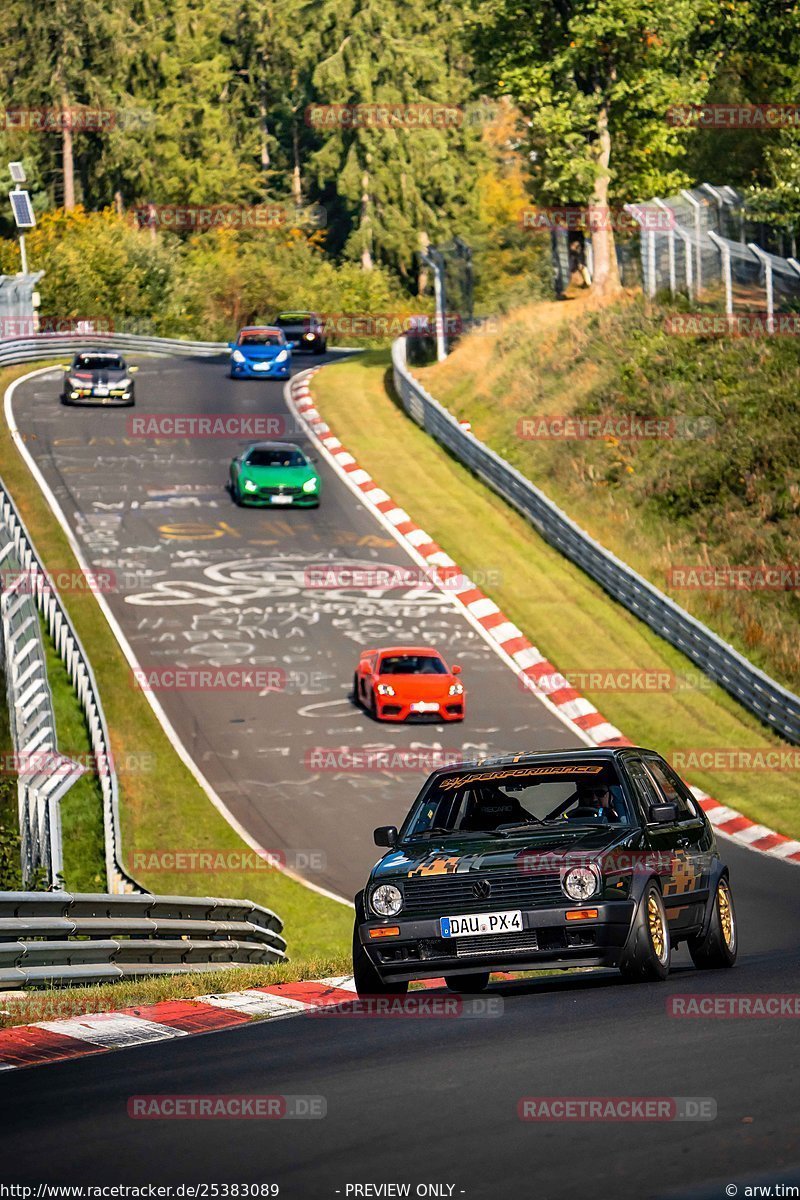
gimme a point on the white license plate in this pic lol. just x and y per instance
(264, 366)
(280, 499)
(101, 391)
(474, 924)
(424, 706)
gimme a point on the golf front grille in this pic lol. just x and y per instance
(497, 943)
(453, 893)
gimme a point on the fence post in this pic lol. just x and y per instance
(695, 203)
(726, 270)
(766, 263)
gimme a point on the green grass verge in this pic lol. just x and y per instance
(10, 870)
(82, 806)
(161, 805)
(729, 496)
(48, 1004)
(560, 609)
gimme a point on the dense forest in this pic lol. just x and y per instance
(349, 135)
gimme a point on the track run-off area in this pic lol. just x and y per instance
(202, 583)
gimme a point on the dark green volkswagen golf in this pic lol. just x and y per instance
(580, 858)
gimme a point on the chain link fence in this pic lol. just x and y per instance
(710, 249)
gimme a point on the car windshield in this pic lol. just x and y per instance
(98, 362)
(411, 664)
(261, 337)
(300, 318)
(275, 457)
(509, 800)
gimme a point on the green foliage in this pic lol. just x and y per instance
(566, 65)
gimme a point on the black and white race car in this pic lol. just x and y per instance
(98, 377)
(304, 331)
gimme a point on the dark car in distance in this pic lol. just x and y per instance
(304, 331)
(98, 377)
(581, 858)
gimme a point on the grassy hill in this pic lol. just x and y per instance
(719, 483)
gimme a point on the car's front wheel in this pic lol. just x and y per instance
(468, 985)
(720, 944)
(646, 955)
(367, 980)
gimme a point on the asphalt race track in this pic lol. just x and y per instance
(435, 1100)
(198, 582)
(409, 1101)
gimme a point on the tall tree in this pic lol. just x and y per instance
(595, 79)
(393, 183)
(57, 69)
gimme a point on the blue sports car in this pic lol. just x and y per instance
(260, 351)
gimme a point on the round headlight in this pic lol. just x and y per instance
(282, 357)
(310, 485)
(580, 883)
(386, 900)
(249, 486)
(238, 356)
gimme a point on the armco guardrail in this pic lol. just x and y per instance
(772, 703)
(44, 775)
(61, 938)
(51, 345)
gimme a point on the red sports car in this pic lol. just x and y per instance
(409, 683)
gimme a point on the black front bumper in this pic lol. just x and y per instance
(547, 940)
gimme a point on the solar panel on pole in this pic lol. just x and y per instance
(17, 172)
(22, 209)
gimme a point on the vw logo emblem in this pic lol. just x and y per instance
(482, 889)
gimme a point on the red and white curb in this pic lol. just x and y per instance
(540, 676)
(75, 1037)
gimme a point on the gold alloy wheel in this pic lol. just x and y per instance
(655, 923)
(726, 914)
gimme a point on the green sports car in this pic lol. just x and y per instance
(276, 473)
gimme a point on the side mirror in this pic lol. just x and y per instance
(231, 345)
(663, 814)
(385, 835)
(455, 670)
